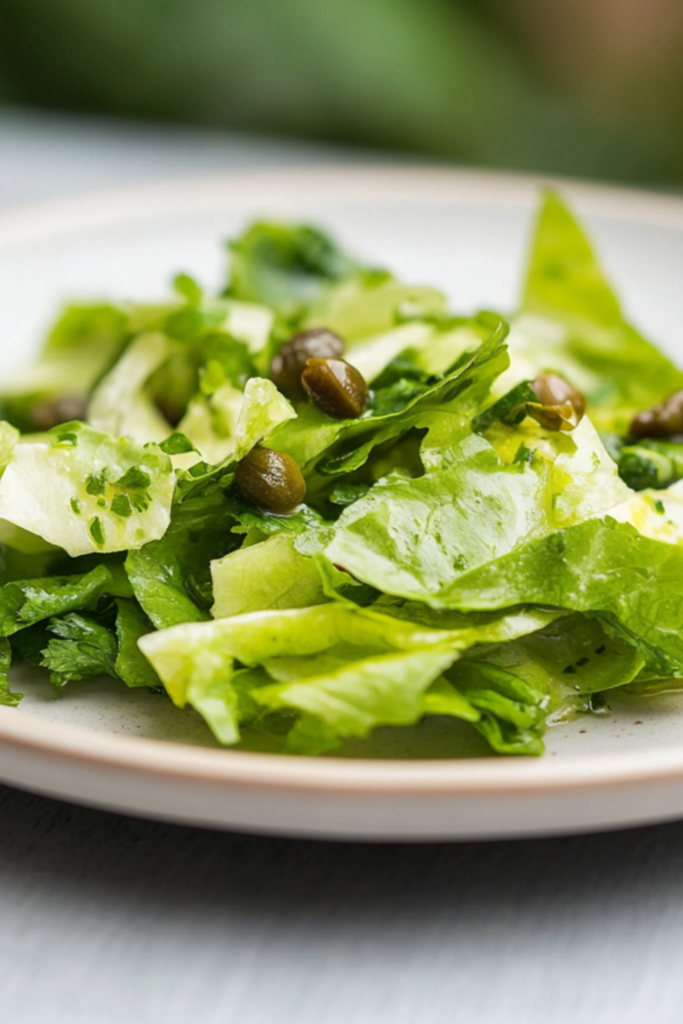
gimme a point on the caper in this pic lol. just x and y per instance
(338, 388)
(561, 404)
(665, 419)
(60, 409)
(288, 365)
(271, 480)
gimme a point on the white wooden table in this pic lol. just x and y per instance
(110, 920)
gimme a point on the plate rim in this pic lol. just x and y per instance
(25, 222)
(80, 746)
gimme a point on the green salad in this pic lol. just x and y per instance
(320, 502)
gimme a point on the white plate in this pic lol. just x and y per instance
(132, 751)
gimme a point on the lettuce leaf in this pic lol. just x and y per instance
(120, 405)
(571, 322)
(271, 574)
(263, 410)
(510, 713)
(82, 345)
(343, 669)
(171, 576)
(629, 582)
(372, 304)
(569, 661)
(209, 422)
(286, 266)
(414, 537)
(23, 565)
(655, 514)
(87, 492)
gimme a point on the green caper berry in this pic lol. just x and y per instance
(271, 480)
(61, 409)
(288, 365)
(562, 405)
(665, 419)
(338, 388)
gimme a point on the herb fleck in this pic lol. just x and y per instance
(134, 479)
(96, 531)
(120, 506)
(96, 484)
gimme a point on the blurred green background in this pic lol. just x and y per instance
(589, 87)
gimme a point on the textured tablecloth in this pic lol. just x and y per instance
(110, 920)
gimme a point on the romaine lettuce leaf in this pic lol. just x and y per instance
(210, 422)
(22, 565)
(373, 303)
(477, 501)
(83, 343)
(246, 322)
(87, 492)
(120, 404)
(421, 348)
(13, 536)
(352, 697)
(571, 322)
(263, 410)
(510, 713)
(9, 438)
(569, 661)
(171, 576)
(511, 690)
(347, 668)
(230, 422)
(286, 266)
(267, 575)
(600, 567)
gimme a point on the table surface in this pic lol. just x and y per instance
(111, 920)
